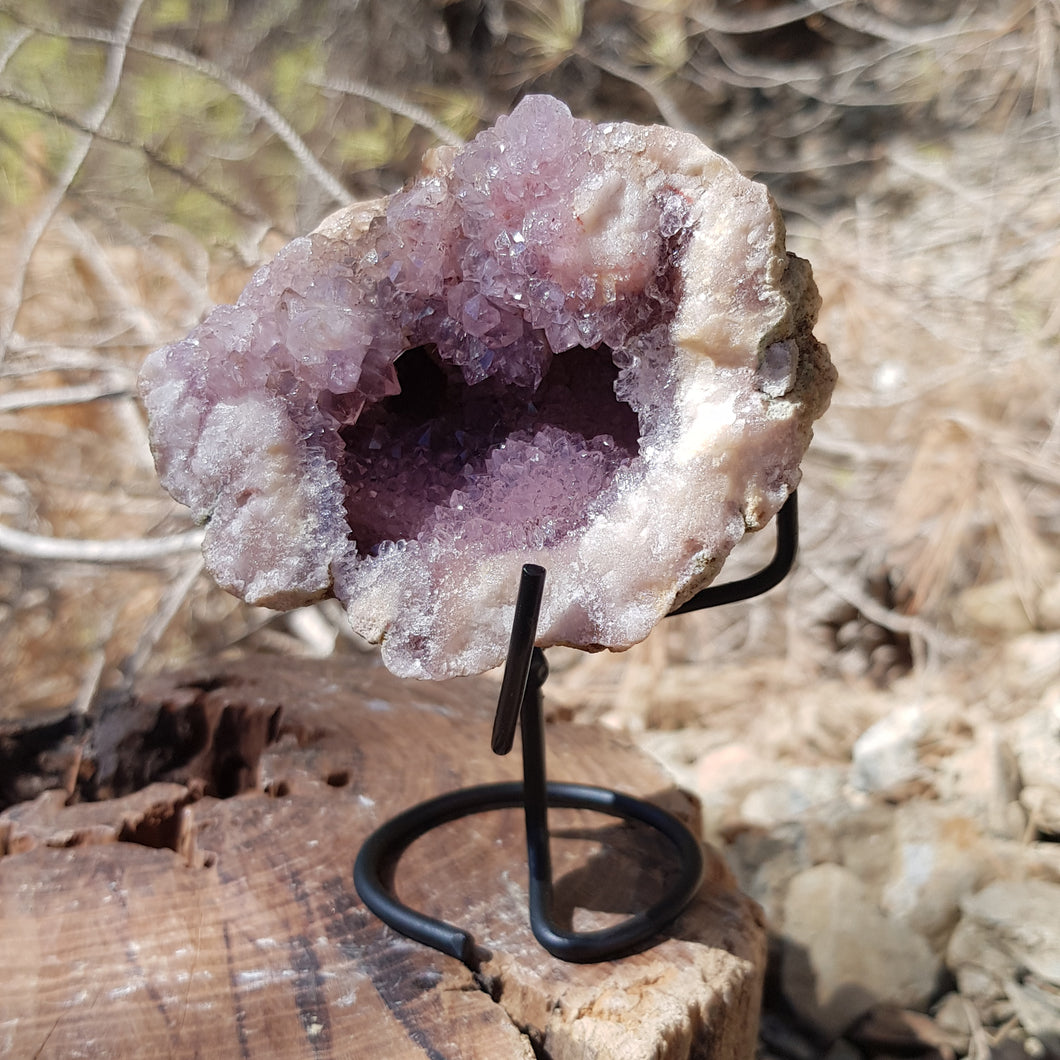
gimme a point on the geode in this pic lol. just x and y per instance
(577, 345)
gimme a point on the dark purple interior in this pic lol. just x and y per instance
(445, 458)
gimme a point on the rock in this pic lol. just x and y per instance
(885, 754)
(539, 351)
(1036, 743)
(951, 1017)
(984, 779)
(1019, 923)
(1043, 808)
(766, 860)
(888, 1030)
(940, 858)
(1005, 956)
(1049, 606)
(996, 607)
(723, 778)
(979, 968)
(1032, 661)
(841, 955)
(801, 790)
(1038, 1009)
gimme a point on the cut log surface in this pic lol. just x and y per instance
(203, 905)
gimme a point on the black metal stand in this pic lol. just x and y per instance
(520, 701)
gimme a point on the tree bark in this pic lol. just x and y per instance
(188, 891)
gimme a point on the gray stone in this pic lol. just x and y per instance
(885, 754)
(765, 860)
(1020, 921)
(723, 776)
(1038, 1009)
(1032, 661)
(865, 842)
(951, 1015)
(979, 970)
(996, 607)
(801, 790)
(764, 863)
(1049, 606)
(1043, 807)
(940, 857)
(842, 955)
(1005, 956)
(984, 779)
(1037, 742)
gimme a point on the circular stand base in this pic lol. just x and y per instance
(379, 855)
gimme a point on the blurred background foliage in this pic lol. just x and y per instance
(152, 152)
(195, 135)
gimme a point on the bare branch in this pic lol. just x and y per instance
(863, 20)
(239, 88)
(809, 79)
(853, 16)
(88, 251)
(88, 354)
(760, 21)
(848, 589)
(392, 102)
(663, 101)
(71, 550)
(172, 599)
(45, 397)
(55, 195)
(256, 103)
(248, 213)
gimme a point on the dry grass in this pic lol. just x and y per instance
(914, 148)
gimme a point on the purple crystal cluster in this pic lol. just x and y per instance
(574, 344)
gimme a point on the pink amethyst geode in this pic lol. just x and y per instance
(577, 345)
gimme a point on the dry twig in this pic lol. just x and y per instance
(49, 397)
(53, 198)
(393, 102)
(121, 552)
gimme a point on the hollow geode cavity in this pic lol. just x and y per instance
(578, 345)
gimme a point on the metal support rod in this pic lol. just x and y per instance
(520, 699)
(525, 675)
(538, 795)
(520, 651)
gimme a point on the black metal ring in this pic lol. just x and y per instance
(379, 856)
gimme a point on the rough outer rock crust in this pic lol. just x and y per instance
(617, 378)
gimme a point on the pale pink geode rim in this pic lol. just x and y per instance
(743, 387)
(708, 340)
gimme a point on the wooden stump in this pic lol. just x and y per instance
(203, 906)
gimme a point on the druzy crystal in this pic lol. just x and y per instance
(571, 344)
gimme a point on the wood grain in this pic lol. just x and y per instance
(166, 920)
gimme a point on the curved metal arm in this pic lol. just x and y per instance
(769, 576)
